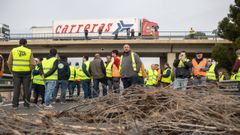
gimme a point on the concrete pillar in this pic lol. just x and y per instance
(163, 60)
(170, 58)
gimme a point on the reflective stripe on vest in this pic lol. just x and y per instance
(134, 66)
(167, 79)
(152, 77)
(109, 69)
(77, 77)
(2, 69)
(37, 79)
(233, 77)
(211, 73)
(83, 76)
(197, 66)
(21, 59)
(72, 72)
(221, 78)
(47, 65)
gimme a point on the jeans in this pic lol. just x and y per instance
(71, 87)
(96, 91)
(49, 88)
(199, 80)
(86, 85)
(116, 84)
(38, 90)
(180, 83)
(110, 84)
(63, 84)
(78, 85)
(127, 82)
(19, 79)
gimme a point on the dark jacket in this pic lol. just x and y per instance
(183, 72)
(127, 68)
(97, 68)
(63, 70)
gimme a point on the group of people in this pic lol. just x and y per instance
(45, 76)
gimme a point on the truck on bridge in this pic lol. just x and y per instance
(110, 27)
(4, 32)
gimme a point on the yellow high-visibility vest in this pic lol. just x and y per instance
(134, 65)
(238, 75)
(37, 79)
(77, 77)
(221, 78)
(83, 76)
(152, 77)
(72, 72)
(21, 59)
(211, 73)
(233, 77)
(109, 69)
(47, 65)
(167, 79)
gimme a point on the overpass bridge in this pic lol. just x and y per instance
(165, 49)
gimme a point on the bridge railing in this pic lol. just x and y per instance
(163, 35)
(6, 83)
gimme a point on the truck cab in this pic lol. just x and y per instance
(149, 28)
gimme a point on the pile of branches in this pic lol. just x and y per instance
(12, 124)
(140, 110)
(137, 110)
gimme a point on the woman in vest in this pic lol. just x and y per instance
(166, 75)
(152, 78)
(212, 73)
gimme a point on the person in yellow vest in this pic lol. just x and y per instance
(236, 68)
(130, 64)
(77, 78)
(109, 66)
(199, 69)
(38, 83)
(221, 76)
(86, 77)
(183, 68)
(50, 74)
(159, 74)
(152, 77)
(115, 71)
(71, 84)
(233, 76)
(212, 74)
(166, 78)
(1, 73)
(142, 75)
(20, 63)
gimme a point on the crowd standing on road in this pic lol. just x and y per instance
(47, 75)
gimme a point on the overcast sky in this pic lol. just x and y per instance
(171, 15)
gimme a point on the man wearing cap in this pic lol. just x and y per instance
(236, 68)
(21, 63)
(199, 69)
(50, 74)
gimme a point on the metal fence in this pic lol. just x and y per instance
(163, 35)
